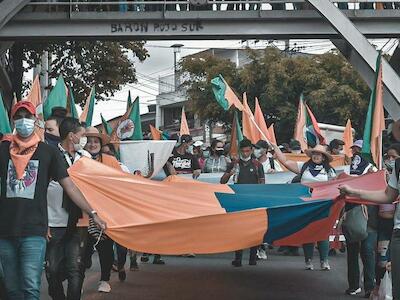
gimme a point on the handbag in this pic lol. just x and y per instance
(355, 223)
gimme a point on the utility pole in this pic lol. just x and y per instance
(177, 51)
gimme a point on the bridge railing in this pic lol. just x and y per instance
(197, 5)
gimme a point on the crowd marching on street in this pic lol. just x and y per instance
(48, 228)
(60, 228)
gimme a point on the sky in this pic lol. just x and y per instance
(161, 63)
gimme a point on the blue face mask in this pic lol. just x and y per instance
(25, 127)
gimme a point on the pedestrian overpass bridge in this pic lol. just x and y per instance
(24, 20)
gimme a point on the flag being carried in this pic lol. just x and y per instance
(57, 97)
(375, 121)
(236, 136)
(224, 95)
(4, 121)
(129, 126)
(87, 113)
(184, 124)
(307, 131)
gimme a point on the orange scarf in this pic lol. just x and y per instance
(21, 152)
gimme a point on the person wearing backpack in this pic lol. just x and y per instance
(387, 196)
(360, 229)
(316, 169)
(246, 170)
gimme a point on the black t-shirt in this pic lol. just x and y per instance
(250, 172)
(184, 164)
(23, 207)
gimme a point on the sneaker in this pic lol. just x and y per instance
(122, 275)
(261, 254)
(104, 287)
(325, 266)
(309, 265)
(353, 292)
(236, 263)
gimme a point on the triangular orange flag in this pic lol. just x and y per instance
(184, 125)
(348, 139)
(249, 130)
(271, 131)
(35, 98)
(155, 133)
(260, 121)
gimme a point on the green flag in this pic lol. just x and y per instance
(71, 107)
(224, 95)
(57, 97)
(4, 121)
(106, 126)
(135, 118)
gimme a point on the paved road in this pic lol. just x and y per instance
(212, 277)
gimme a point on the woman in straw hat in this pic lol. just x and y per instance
(316, 169)
(95, 141)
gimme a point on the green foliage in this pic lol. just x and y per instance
(334, 91)
(106, 64)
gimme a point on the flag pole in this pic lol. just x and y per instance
(258, 128)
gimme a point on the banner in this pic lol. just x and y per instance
(147, 156)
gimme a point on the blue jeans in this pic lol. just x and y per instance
(22, 260)
(323, 248)
(365, 249)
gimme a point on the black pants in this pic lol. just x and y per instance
(64, 260)
(253, 254)
(366, 249)
(121, 256)
(106, 257)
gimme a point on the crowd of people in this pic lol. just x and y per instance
(193, 6)
(45, 219)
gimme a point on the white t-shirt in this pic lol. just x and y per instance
(322, 176)
(58, 216)
(394, 183)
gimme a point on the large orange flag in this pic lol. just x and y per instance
(184, 124)
(249, 129)
(348, 139)
(378, 123)
(260, 121)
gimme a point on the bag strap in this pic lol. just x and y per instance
(397, 167)
(303, 169)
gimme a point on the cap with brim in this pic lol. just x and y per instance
(358, 143)
(319, 149)
(198, 144)
(94, 132)
(23, 105)
(185, 138)
(261, 145)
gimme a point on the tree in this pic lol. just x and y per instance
(334, 91)
(106, 64)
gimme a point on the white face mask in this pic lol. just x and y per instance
(245, 158)
(258, 153)
(391, 164)
(82, 143)
(296, 151)
(190, 149)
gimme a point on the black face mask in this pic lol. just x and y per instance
(219, 152)
(52, 139)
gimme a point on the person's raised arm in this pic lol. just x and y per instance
(289, 164)
(77, 197)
